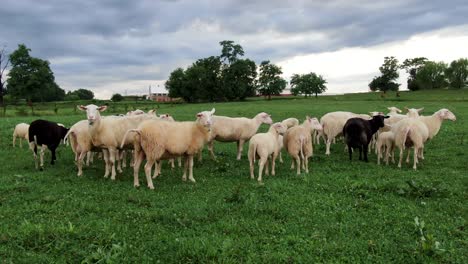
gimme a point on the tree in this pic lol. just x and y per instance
(431, 75)
(270, 83)
(31, 78)
(238, 79)
(412, 66)
(176, 83)
(308, 84)
(84, 94)
(117, 97)
(4, 62)
(230, 51)
(457, 73)
(389, 73)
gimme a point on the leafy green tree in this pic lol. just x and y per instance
(31, 78)
(412, 66)
(84, 94)
(270, 82)
(176, 83)
(203, 79)
(432, 75)
(389, 73)
(239, 79)
(230, 51)
(457, 73)
(308, 84)
(117, 97)
(4, 62)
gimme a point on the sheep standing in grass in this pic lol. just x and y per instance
(333, 124)
(238, 129)
(298, 143)
(159, 140)
(385, 144)
(265, 146)
(21, 131)
(358, 133)
(289, 122)
(410, 132)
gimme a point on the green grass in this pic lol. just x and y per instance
(340, 212)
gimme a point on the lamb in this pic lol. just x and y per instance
(289, 122)
(159, 140)
(385, 143)
(239, 129)
(358, 133)
(410, 132)
(47, 135)
(298, 142)
(21, 131)
(107, 133)
(265, 146)
(333, 124)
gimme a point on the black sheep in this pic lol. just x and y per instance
(45, 133)
(358, 133)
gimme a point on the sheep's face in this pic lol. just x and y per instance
(167, 117)
(265, 118)
(379, 120)
(206, 118)
(92, 112)
(446, 114)
(413, 112)
(280, 128)
(393, 109)
(314, 123)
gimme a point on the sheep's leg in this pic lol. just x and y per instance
(408, 156)
(392, 152)
(132, 159)
(292, 164)
(240, 146)
(41, 154)
(190, 158)
(88, 157)
(261, 164)
(148, 166)
(119, 160)
(157, 169)
(171, 161)
(139, 156)
(298, 164)
(365, 149)
(112, 157)
(210, 148)
(251, 167)
(273, 164)
(360, 152)
(280, 157)
(123, 157)
(329, 140)
(378, 151)
(186, 164)
(105, 154)
(350, 152)
(401, 157)
(80, 162)
(421, 153)
(179, 161)
(415, 158)
(267, 162)
(305, 163)
(31, 146)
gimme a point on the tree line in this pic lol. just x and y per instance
(229, 77)
(423, 74)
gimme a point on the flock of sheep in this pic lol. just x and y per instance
(156, 138)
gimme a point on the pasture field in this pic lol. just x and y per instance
(341, 211)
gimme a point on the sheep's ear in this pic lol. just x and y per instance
(420, 109)
(102, 108)
(389, 108)
(81, 107)
(386, 116)
(398, 110)
(212, 111)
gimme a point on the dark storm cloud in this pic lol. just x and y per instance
(123, 38)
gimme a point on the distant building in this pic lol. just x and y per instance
(160, 97)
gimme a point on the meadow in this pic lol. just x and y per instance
(342, 211)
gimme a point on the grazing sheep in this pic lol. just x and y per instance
(238, 129)
(21, 131)
(107, 133)
(358, 133)
(393, 110)
(333, 124)
(298, 142)
(164, 140)
(385, 143)
(265, 146)
(47, 135)
(410, 132)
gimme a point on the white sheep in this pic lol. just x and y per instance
(289, 122)
(385, 144)
(393, 110)
(265, 146)
(159, 140)
(298, 142)
(107, 133)
(333, 124)
(21, 131)
(235, 129)
(410, 132)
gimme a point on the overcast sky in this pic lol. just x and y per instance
(124, 46)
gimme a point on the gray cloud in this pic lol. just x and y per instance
(145, 40)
